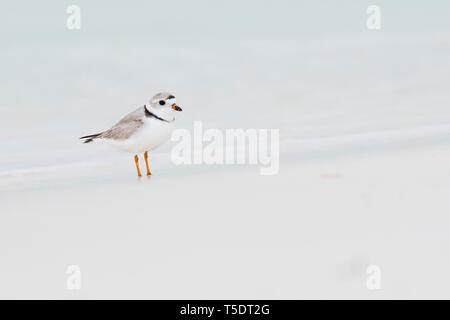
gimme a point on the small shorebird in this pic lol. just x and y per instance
(143, 129)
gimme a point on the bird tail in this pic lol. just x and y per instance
(90, 137)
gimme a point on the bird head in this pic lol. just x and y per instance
(164, 101)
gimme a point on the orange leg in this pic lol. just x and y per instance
(136, 161)
(146, 163)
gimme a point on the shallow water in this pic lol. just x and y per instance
(312, 70)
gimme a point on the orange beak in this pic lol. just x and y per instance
(176, 108)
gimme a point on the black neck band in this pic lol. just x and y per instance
(149, 114)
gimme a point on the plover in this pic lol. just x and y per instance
(142, 130)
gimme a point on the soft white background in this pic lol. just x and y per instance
(364, 120)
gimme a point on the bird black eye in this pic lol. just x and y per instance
(162, 102)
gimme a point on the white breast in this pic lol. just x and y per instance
(149, 136)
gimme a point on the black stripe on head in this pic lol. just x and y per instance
(171, 97)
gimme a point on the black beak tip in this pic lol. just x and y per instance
(178, 108)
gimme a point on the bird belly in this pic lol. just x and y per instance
(151, 135)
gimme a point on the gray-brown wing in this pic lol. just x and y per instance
(126, 127)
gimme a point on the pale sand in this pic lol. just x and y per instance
(309, 232)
